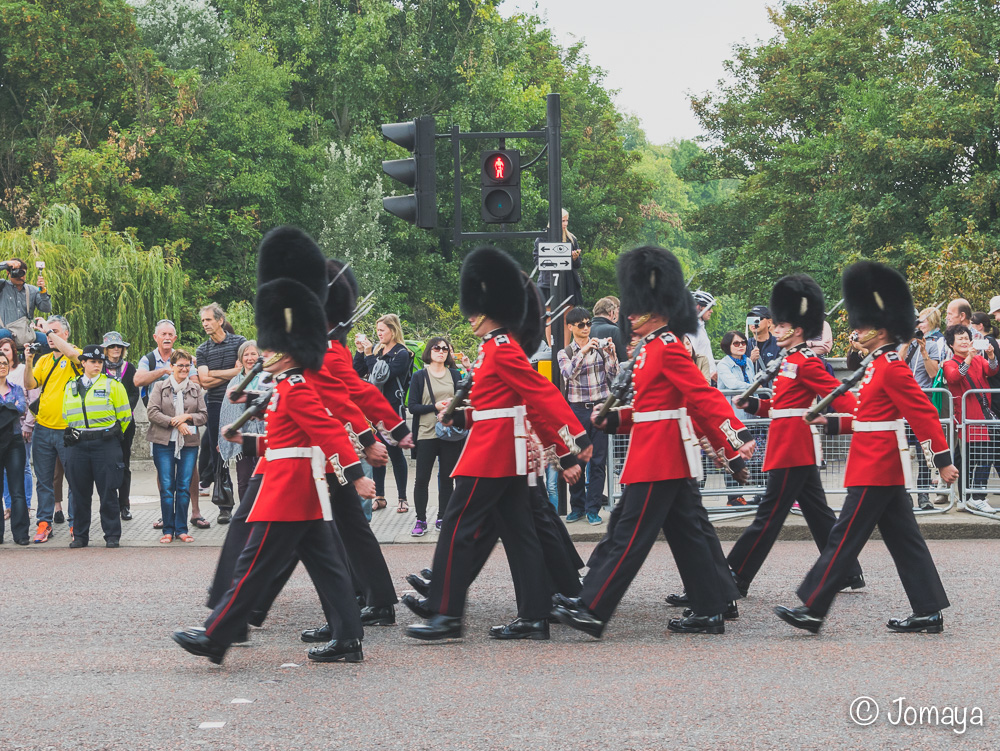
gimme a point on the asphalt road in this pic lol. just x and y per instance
(87, 663)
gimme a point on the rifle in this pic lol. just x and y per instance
(243, 385)
(253, 409)
(846, 385)
(620, 386)
(464, 387)
(712, 454)
(363, 308)
(763, 377)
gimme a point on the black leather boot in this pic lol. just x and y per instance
(436, 628)
(348, 650)
(520, 628)
(800, 617)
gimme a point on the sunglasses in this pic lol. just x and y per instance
(583, 325)
(738, 344)
(441, 348)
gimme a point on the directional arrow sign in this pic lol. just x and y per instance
(555, 256)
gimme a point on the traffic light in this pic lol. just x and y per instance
(416, 136)
(500, 178)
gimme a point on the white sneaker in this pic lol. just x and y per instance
(979, 504)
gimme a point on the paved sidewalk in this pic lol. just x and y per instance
(392, 527)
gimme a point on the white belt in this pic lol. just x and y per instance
(891, 426)
(692, 449)
(798, 412)
(661, 414)
(318, 465)
(518, 414)
(885, 426)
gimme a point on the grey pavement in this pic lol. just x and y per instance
(392, 527)
(88, 664)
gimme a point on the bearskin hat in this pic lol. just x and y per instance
(289, 253)
(798, 300)
(290, 319)
(492, 285)
(650, 280)
(878, 297)
(341, 296)
(529, 334)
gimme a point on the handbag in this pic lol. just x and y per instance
(21, 331)
(222, 489)
(442, 431)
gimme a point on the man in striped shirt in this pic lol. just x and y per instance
(588, 366)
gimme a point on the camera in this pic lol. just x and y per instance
(981, 344)
(33, 346)
(753, 321)
(918, 334)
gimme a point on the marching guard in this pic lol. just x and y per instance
(663, 458)
(491, 474)
(880, 309)
(793, 453)
(291, 511)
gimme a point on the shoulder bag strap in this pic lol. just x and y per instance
(51, 371)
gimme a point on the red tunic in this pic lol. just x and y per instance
(666, 379)
(375, 406)
(888, 392)
(503, 378)
(800, 380)
(334, 394)
(296, 418)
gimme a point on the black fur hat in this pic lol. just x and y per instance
(529, 334)
(878, 297)
(798, 300)
(492, 285)
(289, 253)
(341, 296)
(650, 280)
(290, 319)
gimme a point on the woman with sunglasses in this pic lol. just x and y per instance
(430, 391)
(735, 373)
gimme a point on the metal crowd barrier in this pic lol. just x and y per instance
(718, 485)
(979, 450)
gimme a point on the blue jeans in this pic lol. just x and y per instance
(552, 485)
(47, 445)
(366, 503)
(175, 485)
(27, 480)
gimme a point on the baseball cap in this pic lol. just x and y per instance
(760, 311)
(92, 352)
(994, 304)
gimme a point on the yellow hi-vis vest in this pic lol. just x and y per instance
(105, 401)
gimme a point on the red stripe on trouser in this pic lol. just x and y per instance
(208, 631)
(451, 549)
(628, 547)
(774, 510)
(837, 551)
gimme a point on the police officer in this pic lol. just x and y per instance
(96, 410)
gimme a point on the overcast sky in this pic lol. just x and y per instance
(657, 51)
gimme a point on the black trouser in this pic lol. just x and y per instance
(12, 462)
(398, 460)
(447, 453)
(244, 471)
(588, 494)
(368, 567)
(675, 507)
(890, 508)
(562, 561)
(236, 539)
(89, 463)
(267, 552)
(125, 491)
(784, 487)
(477, 501)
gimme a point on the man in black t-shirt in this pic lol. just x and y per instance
(217, 366)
